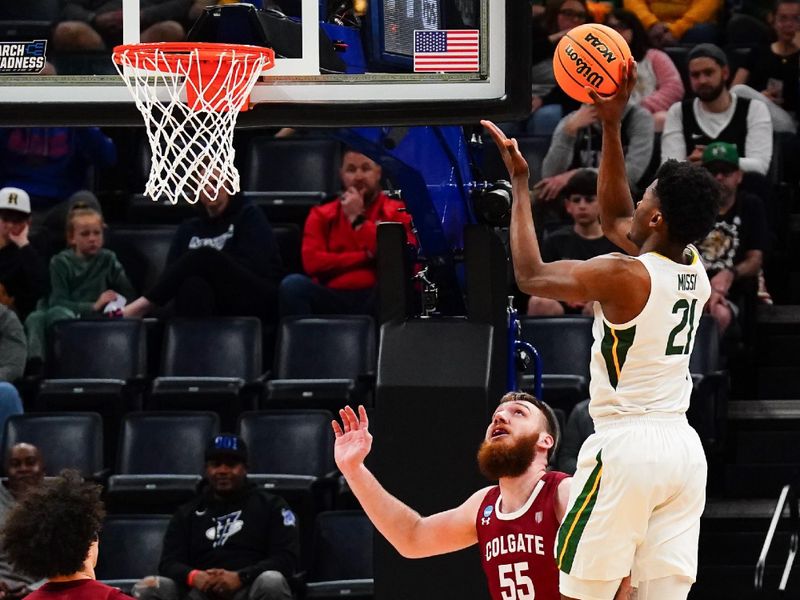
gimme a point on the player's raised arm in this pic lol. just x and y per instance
(566, 280)
(613, 190)
(412, 535)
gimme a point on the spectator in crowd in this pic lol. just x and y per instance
(582, 240)
(339, 245)
(773, 73)
(25, 471)
(97, 24)
(733, 251)
(13, 351)
(684, 21)
(52, 164)
(223, 262)
(550, 103)
(577, 142)
(749, 22)
(23, 274)
(717, 114)
(84, 279)
(659, 84)
(52, 533)
(232, 540)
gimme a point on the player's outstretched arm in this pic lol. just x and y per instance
(613, 190)
(412, 535)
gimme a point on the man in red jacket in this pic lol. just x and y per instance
(339, 245)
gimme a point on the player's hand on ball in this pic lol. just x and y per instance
(353, 439)
(611, 108)
(515, 163)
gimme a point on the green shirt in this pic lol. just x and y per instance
(77, 282)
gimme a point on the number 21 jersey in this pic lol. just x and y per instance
(642, 366)
(518, 549)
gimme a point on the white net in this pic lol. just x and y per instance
(190, 100)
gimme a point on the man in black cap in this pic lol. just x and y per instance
(717, 114)
(233, 541)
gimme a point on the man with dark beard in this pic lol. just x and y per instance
(717, 114)
(514, 523)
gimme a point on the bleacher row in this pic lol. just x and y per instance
(158, 466)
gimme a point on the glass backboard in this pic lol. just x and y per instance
(353, 62)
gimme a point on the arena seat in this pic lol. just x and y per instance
(95, 365)
(564, 345)
(131, 549)
(66, 440)
(142, 251)
(291, 165)
(342, 556)
(291, 454)
(289, 239)
(210, 364)
(708, 406)
(323, 362)
(160, 460)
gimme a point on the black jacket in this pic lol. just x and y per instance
(24, 274)
(250, 533)
(242, 232)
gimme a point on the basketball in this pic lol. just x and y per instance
(590, 55)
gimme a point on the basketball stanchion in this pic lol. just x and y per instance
(590, 55)
(190, 95)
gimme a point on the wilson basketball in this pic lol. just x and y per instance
(590, 55)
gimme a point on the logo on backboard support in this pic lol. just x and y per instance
(23, 57)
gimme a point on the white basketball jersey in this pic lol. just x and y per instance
(642, 366)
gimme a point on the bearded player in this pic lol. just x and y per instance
(514, 523)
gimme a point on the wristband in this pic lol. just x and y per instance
(190, 577)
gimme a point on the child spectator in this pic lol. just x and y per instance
(84, 278)
(658, 83)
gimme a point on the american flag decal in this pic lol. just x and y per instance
(446, 50)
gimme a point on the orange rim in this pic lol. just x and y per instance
(174, 54)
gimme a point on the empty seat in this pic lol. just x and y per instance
(210, 364)
(289, 240)
(292, 165)
(66, 440)
(94, 364)
(708, 406)
(161, 458)
(564, 345)
(131, 549)
(342, 556)
(323, 362)
(142, 251)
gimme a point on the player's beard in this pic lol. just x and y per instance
(499, 459)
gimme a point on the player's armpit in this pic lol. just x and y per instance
(446, 531)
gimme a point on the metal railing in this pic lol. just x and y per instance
(788, 495)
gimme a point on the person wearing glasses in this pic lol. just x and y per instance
(582, 240)
(549, 101)
(773, 70)
(733, 251)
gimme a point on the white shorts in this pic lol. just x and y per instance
(635, 504)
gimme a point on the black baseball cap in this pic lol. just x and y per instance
(227, 445)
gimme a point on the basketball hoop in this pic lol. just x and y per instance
(190, 95)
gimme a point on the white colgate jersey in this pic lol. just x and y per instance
(642, 366)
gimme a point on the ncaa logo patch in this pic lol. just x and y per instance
(23, 57)
(487, 513)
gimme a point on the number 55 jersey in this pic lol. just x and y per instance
(517, 549)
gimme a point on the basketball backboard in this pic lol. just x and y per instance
(353, 62)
